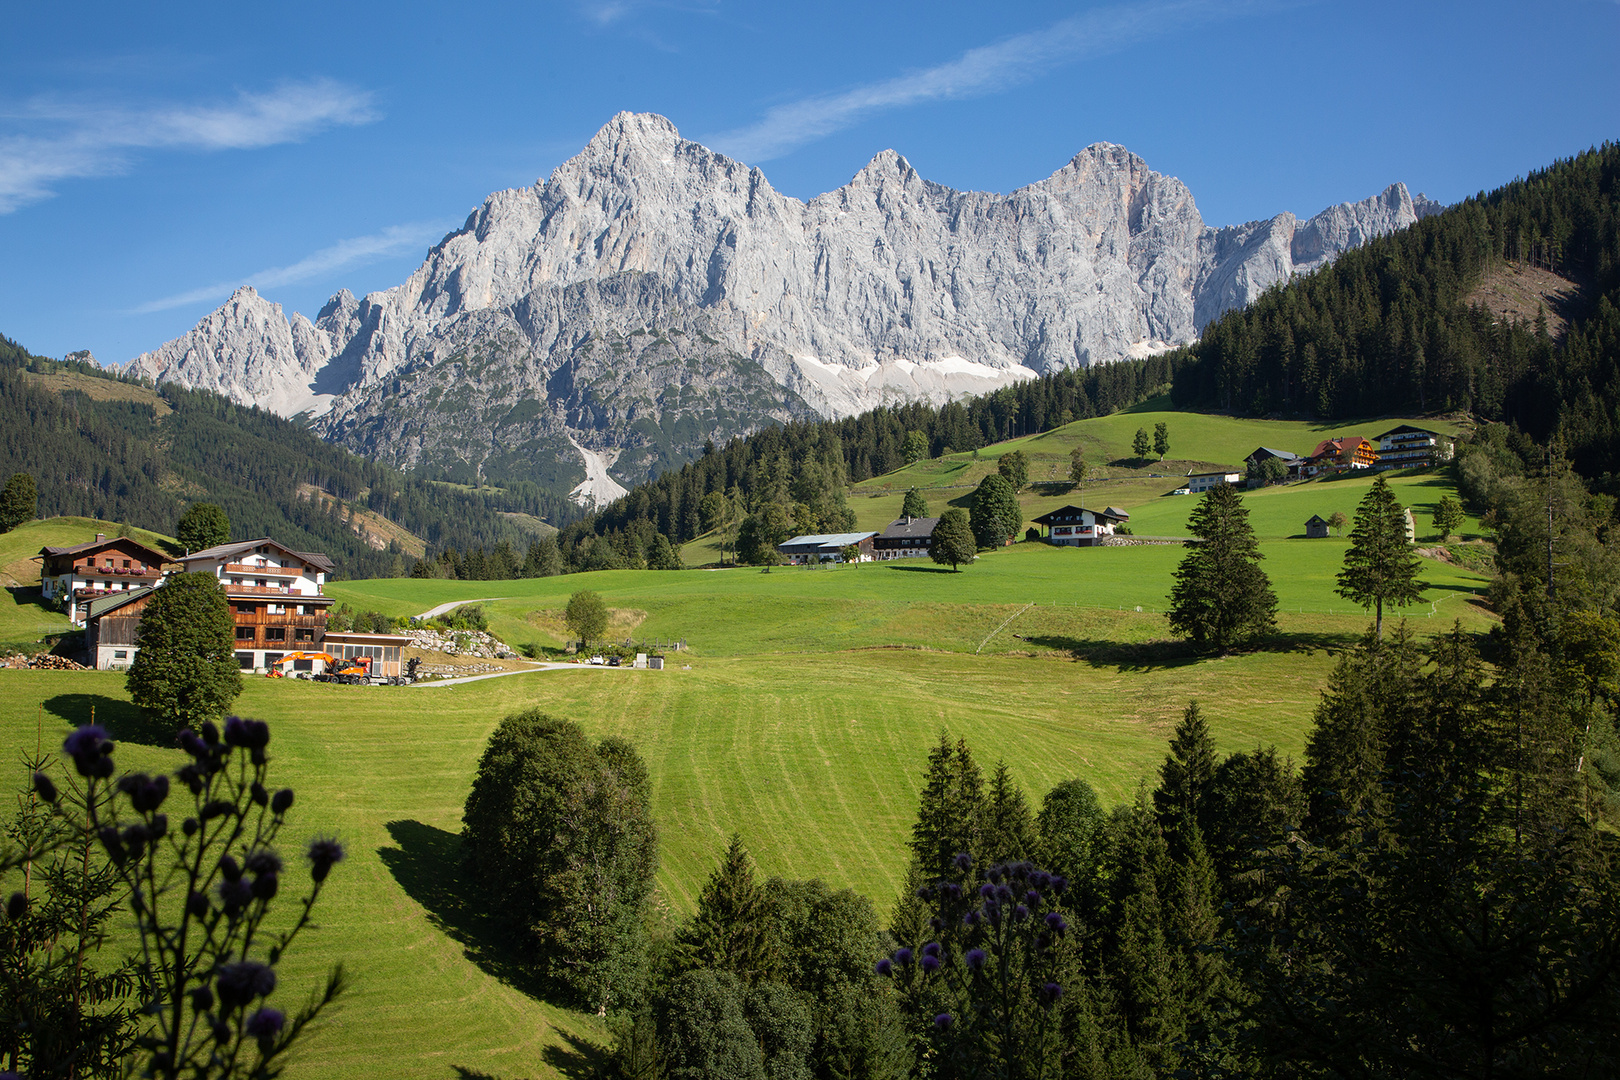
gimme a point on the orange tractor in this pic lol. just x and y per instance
(354, 672)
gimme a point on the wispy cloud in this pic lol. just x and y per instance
(977, 72)
(98, 140)
(357, 251)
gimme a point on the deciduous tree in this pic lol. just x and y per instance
(952, 541)
(1448, 516)
(1014, 468)
(586, 616)
(203, 526)
(19, 502)
(185, 669)
(1077, 464)
(995, 514)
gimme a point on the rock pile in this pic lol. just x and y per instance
(484, 646)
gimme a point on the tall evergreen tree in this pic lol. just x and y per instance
(1009, 829)
(1161, 439)
(1221, 597)
(914, 504)
(731, 930)
(1379, 566)
(1185, 779)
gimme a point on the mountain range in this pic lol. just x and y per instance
(653, 295)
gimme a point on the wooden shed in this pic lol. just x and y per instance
(1316, 528)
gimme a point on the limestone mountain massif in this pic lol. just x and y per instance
(652, 294)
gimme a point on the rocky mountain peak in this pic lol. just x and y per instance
(652, 293)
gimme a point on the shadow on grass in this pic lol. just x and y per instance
(922, 569)
(580, 1059)
(124, 721)
(427, 863)
(30, 596)
(1144, 656)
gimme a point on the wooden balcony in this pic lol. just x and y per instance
(249, 570)
(269, 590)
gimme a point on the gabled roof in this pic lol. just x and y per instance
(1317, 519)
(226, 551)
(1071, 513)
(1216, 472)
(1404, 428)
(97, 545)
(827, 540)
(112, 602)
(909, 528)
(1286, 455)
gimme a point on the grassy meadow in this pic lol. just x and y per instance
(799, 714)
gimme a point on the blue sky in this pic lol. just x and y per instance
(152, 156)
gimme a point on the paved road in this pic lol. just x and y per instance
(543, 666)
(432, 613)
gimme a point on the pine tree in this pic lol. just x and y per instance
(1161, 439)
(731, 930)
(1140, 444)
(914, 504)
(1379, 566)
(1009, 828)
(1221, 597)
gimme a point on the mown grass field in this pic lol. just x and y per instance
(799, 715)
(24, 618)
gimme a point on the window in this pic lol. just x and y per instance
(120, 654)
(245, 609)
(271, 659)
(259, 583)
(275, 633)
(303, 635)
(126, 564)
(244, 633)
(244, 660)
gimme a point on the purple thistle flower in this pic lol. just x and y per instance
(324, 853)
(1051, 992)
(1041, 879)
(235, 731)
(1003, 893)
(902, 956)
(1055, 922)
(951, 890)
(240, 982)
(975, 959)
(229, 868)
(45, 787)
(264, 862)
(235, 895)
(259, 794)
(1032, 898)
(265, 886)
(192, 744)
(266, 1023)
(1059, 883)
(970, 919)
(931, 949)
(90, 751)
(987, 891)
(210, 733)
(885, 968)
(281, 801)
(1020, 913)
(930, 964)
(994, 875)
(964, 861)
(942, 1021)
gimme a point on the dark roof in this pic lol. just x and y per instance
(1405, 428)
(1286, 455)
(909, 528)
(108, 604)
(1072, 513)
(225, 551)
(104, 542)
(1317, 519)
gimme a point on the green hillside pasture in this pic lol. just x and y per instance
(814, 759)
(24, 618)
(1093, 596)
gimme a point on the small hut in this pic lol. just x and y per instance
(1316, 528)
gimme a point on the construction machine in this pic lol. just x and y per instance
(354, 671)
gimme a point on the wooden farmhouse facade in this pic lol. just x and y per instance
(77, 576)
(905, 538)
(1075, 526)
(277, 597)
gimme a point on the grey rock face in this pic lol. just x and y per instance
(889, 288)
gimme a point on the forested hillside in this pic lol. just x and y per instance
(1397, 325)
(102, 447)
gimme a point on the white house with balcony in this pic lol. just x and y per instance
(276, 596)
(1411, 447)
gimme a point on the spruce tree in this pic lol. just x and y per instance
(1009, 829)
(1221, 596)
(914, 504)
(1140, 444)
(1379, 566)
(1161, 439)
(1185, 779)
(731, 930)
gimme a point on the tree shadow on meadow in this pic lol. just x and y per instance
(427, 863)
(921, 569)
(1145, 656)
(574, 1057)
(124, 721)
